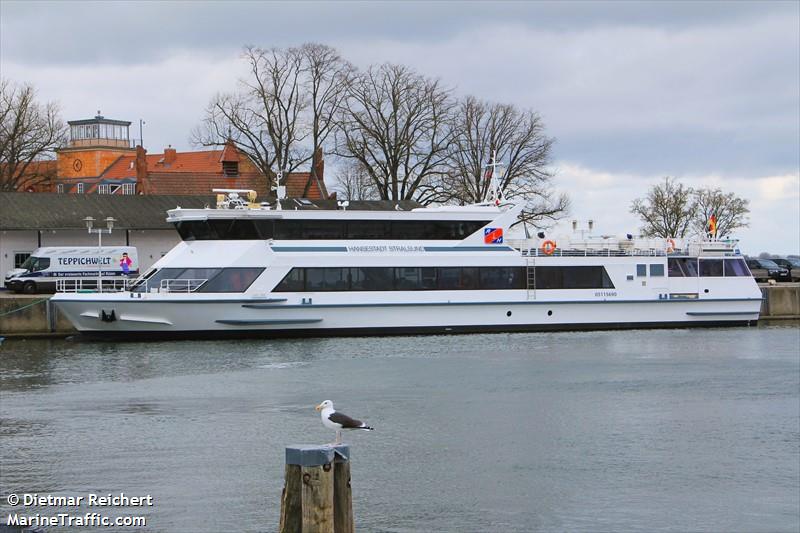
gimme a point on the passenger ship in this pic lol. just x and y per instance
(246, 269)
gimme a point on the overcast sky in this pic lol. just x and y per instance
(706, 92)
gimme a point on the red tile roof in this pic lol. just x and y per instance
(203, 183)
(229, 154)
(301, 185)
(206, 172)
(205, 161)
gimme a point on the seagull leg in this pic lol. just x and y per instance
(338, 436)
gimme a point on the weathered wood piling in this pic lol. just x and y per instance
(316, 494)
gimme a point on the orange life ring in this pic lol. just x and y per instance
(548, 247)
(670, 245)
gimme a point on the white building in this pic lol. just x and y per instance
(31, 220)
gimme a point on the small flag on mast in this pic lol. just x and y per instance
(712, 225)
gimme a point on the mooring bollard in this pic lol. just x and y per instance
(316, 493)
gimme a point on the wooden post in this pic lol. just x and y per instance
(342, 498)
(317, 499)
(316, 495)
(290, 501)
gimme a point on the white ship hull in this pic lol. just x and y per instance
(256, 318)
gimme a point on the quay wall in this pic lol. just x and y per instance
(780, 301)
(34, 315)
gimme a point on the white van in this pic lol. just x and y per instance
(78, 266)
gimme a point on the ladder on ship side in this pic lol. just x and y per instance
(530, 269)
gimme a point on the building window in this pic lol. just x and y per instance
(60, 188)
(230, 168)
(128, 188)
(20, 257)
(104, 188)
(641, 270)
(80, 188)
(657, 270)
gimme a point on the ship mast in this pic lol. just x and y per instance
(494, 194)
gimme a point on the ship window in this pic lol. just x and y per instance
(293, 282)
(579, 277)
(427, 279)
(234, 229)
(448, 278)
(656, 270)
(469, 278)
(326, 279)
(326, 229)
(368, 229)
(402, 279)
(265, 228)
(191, 230)
(371, 279)
(407, 279)
(682, 267)
(322, 229)
(548, 278)
(154, 280)
(502, 278)
(711, 268)
(190, 279)
(641, 271)
(736, 267)
(232, 280)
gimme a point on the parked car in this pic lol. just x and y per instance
(790, 263)
(765, 269)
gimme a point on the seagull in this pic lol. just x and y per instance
(338, 421)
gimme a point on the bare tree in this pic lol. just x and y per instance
(481, 131)
(283, 111)
(667, 211)
(327, 79)
(729, 210)
(29, 132)
(354, 183)
(264, 119)
(394, 123)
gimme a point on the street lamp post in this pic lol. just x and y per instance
(99, 231)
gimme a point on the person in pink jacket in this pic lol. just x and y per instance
(125, 263)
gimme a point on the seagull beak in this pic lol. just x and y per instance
(318, 408)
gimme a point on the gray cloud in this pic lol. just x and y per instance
(136, 32)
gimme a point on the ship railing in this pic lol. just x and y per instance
(90, 285)
(181, 285)
(597, 252)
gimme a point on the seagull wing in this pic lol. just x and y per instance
(346, 421)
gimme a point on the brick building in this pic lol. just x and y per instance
(101, 158)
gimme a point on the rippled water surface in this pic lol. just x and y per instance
(683, 430)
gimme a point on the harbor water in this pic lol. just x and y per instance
(677, 430)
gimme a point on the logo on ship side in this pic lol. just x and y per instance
(493, 236)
